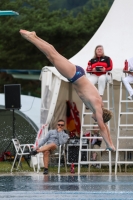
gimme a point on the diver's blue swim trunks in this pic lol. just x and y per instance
(79, 72)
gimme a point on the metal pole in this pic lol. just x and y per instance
(13, 125)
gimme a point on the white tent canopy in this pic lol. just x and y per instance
(30, 107)
(115, 34)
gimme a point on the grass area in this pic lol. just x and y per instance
(5, 167)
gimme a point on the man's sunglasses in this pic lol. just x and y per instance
(60, 124)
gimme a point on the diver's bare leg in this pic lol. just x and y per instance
(66, 68)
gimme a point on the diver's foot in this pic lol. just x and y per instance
(27, 34)
(110, 149)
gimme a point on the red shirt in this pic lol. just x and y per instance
(103, 61)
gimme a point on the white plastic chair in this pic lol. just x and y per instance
(20, 151)
(62, 153)
(59, 154)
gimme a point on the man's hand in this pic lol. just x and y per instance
(129, 72)
(94, 70)
(59, 129)
(103, 69)
(125, 71)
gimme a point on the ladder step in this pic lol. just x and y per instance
(124, 150)
(93, 150)
(124, 101)
(124, 125)
(94, 137)
(93, 162)
(87, 125)
(126, 113)
(120, 137)
(89, 113)
(126, 162)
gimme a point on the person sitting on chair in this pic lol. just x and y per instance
(97, 68)
(50, 142)
(128, 79)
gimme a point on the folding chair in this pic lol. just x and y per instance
(21, 151)
(62, 153)
(58, 154)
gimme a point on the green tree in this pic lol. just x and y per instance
(66, 31)
(15, 52)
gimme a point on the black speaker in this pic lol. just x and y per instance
(73, 153)
(12, 96)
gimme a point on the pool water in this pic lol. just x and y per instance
(51, 187)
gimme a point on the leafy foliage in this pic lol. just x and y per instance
(66, 31)
(15, 52)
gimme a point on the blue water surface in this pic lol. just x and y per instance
(51, 187)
